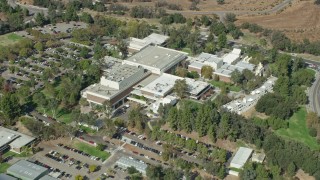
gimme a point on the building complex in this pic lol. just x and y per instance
(13, 140)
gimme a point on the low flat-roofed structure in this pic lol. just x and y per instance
(204, 59)
(245, 65)
(136, 44)
(156, 39)
(126, 162)
(197, 88)
(232, 57)
(241, 157)
(13, 140)
(226, 70)
(27, 170)
(160, 87)
(156, 59)
(195, 66)
(7, 177)
(166, 100)
(209, 59)
(258, 157)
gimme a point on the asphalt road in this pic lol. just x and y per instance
(32, 9)
(314, 95)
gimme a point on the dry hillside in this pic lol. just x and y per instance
(299, 21)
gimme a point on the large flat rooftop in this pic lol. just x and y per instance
(161, 85)
(26, 170)
(156, 57)
(118, 73)
(102, 91)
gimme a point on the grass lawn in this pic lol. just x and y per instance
(231, 87)
(9, 39)
(187, 50)
(298, 130)
(87, 129)
(10, 153)
(61, 114)
(91, 150)
(4, 167)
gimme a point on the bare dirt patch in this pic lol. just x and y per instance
(23, 129)
(303, 176)
(26, 2)
(299, 21)
(253, 113)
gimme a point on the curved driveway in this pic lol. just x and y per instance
(314, 95)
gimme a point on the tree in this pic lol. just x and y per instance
(39, 46)
(100, 147)
(230, 17)
(248, 172)
(237, 77)
(123, 48)
(220, 1)
(132, 170)
(78, 177)
(92, 168)
(23, 93)
(53, 104)
(206, 72)
(155, 172)
(40, 19)
(180, 87)
(291, 170)
(210, 47)
(87, 18)
(222, 40)
(9, 105)
(182, 72)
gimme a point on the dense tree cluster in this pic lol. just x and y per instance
(173, 18)
(159, 173)
(289, 89)
(247, 80)
(137, 119)
(225, 125)
(46, 132)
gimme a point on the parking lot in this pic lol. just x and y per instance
(61, 27)
(70, 161)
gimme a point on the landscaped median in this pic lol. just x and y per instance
(93, 151)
